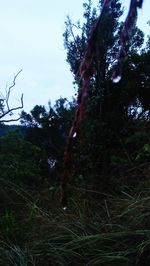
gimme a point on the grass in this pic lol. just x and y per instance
(96, 229)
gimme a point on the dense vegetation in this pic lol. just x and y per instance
(108, 216)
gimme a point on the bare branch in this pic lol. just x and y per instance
(12, 109)
(71, 30)
(10, 120)
(10, 88)
(5, 108)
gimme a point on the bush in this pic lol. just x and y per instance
(19, 159)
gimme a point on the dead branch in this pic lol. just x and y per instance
(5, 108)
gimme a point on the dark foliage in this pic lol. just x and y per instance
(47, 128)
(111, 107)
(19, 159)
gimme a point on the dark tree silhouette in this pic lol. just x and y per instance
(87, 70)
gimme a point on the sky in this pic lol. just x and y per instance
(31, 39)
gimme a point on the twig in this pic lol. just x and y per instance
(10, 88)
(107, 210)
(137, 167)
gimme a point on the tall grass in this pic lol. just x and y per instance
(105, 229)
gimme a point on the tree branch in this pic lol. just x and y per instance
(5, 102)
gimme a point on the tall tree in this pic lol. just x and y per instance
(109, 103)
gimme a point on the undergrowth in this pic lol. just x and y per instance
(96, 228)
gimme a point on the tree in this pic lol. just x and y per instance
(109, 104)
(47, 127)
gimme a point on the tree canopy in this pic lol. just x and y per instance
(93, 48)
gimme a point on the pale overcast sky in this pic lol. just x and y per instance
(31, 39)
